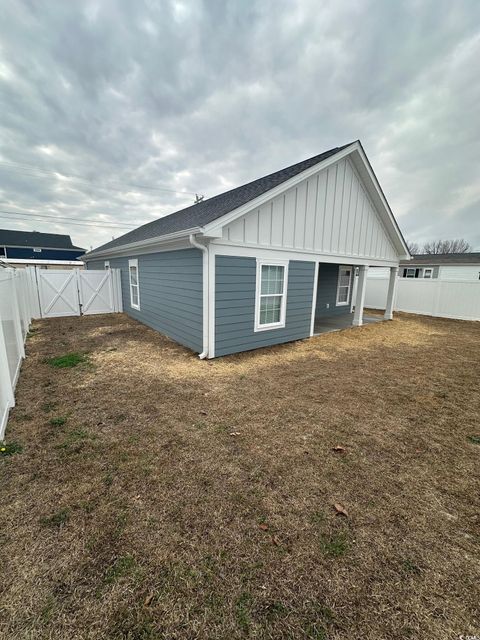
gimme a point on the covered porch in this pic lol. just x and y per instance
(340, 297)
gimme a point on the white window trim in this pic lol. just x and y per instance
(430, 270)
(407, 270)
(340, 267)
(272, 325)
(134, 263)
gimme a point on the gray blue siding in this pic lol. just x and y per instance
(327, 292)
(170, 285)
(235, 305)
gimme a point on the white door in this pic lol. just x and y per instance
(58, 293)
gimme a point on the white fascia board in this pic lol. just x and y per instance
(255, 251)
(159, 243)
(213, 228)
(370, 179)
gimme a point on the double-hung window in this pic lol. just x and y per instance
(134, 288)
(428, 273)
(344, 285)
(271, 298)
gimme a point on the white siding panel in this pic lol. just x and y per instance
(289, 218)
(460, 272)
(330, 212)
(277, 221)
(251, 228)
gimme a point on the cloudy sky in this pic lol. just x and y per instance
(116, 112)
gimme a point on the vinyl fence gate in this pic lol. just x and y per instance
(74, 292)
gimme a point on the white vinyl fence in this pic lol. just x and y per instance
(45, 293)
(442, 298)
(16, 312)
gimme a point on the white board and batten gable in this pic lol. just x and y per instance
(330, 212)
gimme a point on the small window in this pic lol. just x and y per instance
(344, 285)
(106, 264)
(428, 273)
(134, 288)
(409, 273)
(271, 295)
(36, 250)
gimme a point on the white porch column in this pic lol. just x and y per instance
(360, 299)
(392, 286)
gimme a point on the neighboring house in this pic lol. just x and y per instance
(261, 264)
(445, 266)
(32, 248)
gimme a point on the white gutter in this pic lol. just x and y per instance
(141, 244)
(204, 249)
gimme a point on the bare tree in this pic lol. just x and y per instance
(414, 248)
(447, 246)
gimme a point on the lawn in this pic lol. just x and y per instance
(149, 495)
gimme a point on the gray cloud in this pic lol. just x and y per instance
(202, 96)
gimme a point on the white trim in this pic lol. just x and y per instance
(258, 295)
(430, 270)
(152, 244)
(76, 263)
(211, 301)
(106, 264)
(226, 248)
(347, 302)
(134, 263)
(314, 297)
(407, 269)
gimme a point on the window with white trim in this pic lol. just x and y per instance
(271, 295)
(134, 287)
(410, 272)
(344, 285)
(428, 273)
(106, 264)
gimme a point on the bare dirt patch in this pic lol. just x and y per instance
(151, 495)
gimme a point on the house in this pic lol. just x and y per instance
(32, 248)
(263, 263)
(445, 266)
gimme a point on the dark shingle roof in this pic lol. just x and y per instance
(443, 259)
(14, 238)
(198, 215)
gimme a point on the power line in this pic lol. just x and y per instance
(40, 217)
(16, 166)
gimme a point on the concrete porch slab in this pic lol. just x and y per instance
(336, 323)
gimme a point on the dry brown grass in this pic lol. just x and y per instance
(132, 511)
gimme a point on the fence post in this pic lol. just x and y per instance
(16, 318)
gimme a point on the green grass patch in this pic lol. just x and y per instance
(410, 567)
(56, 520)
(474, 439)
(10, 449)
(243, 608)
(68, 360)
(123, 566)
(58, 421)
(335, 545)
(49, 406)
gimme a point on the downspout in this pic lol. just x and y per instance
(204, 249)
